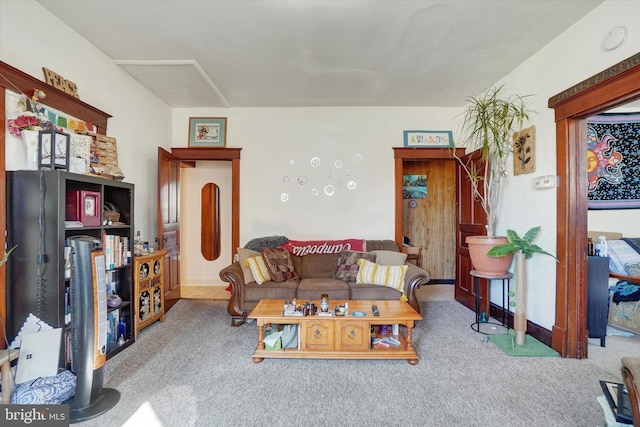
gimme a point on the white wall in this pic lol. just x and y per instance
(625, 221)
(278, 145)
(31, 38)
(271, 138)
(575, 55)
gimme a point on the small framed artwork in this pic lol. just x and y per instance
(414, 187)
(207, 132)
(428, 138)
(524, 151)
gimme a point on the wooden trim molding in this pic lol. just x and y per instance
(206, 153)
(227, 154)
(613, 87)
(614, 72)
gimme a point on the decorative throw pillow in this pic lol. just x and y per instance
(243, 256)
(280, 264)
(633, 269)
(391, 276)
(390, 257)
(347, 267)
(259, 270)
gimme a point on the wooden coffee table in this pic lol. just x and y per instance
(339, 337)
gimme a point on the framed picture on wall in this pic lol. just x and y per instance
(207, 132)
(428, 138)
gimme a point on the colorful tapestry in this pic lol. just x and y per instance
(613, 161)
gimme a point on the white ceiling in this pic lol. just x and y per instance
(292, 53)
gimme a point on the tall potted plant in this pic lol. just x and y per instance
(489, 121)
(523, 248)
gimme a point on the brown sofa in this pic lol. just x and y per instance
(316, 277)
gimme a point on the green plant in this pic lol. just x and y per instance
(6, 256)
(524, 244)
(489, 122)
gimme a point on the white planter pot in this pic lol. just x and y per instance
(30, 140)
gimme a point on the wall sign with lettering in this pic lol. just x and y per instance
(59, 82)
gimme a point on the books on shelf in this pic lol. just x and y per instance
(116, 250)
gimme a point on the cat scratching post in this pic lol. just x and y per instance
(520, 319)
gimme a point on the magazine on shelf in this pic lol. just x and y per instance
(619, 401)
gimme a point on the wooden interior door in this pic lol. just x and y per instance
(430, 222)
(168, 226)
(471, 222)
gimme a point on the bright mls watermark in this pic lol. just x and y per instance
(34, 415)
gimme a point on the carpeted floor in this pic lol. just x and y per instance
(196, 370)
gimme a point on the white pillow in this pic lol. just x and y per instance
(391, 276)
(390, 257)
(243, 255)
(259, 269)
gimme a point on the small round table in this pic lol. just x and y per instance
(506, 285)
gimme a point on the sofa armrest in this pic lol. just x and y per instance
(414, 277)
(234, 276)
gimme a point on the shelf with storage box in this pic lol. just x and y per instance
(149, 289)
(44, 209)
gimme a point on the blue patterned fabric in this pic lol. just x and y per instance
(45, 390)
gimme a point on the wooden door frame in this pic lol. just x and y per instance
(613, 87)
(226, 154)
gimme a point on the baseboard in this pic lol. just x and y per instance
(214, 292)
(441, 282)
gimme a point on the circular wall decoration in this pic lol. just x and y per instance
(614, 38)
(413, 203)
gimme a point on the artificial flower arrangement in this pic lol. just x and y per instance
(26, 119)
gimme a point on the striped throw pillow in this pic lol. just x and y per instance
(391, 276)
(258, 268)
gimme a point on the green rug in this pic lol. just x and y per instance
(531, 348)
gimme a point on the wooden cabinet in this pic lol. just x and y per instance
(598, 297)
(334, 335)
(353, 335)
(37, 272)
(149, 289)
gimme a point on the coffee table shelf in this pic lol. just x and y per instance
(339, 337)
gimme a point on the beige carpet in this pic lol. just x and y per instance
(195, 370)
(435, 293)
